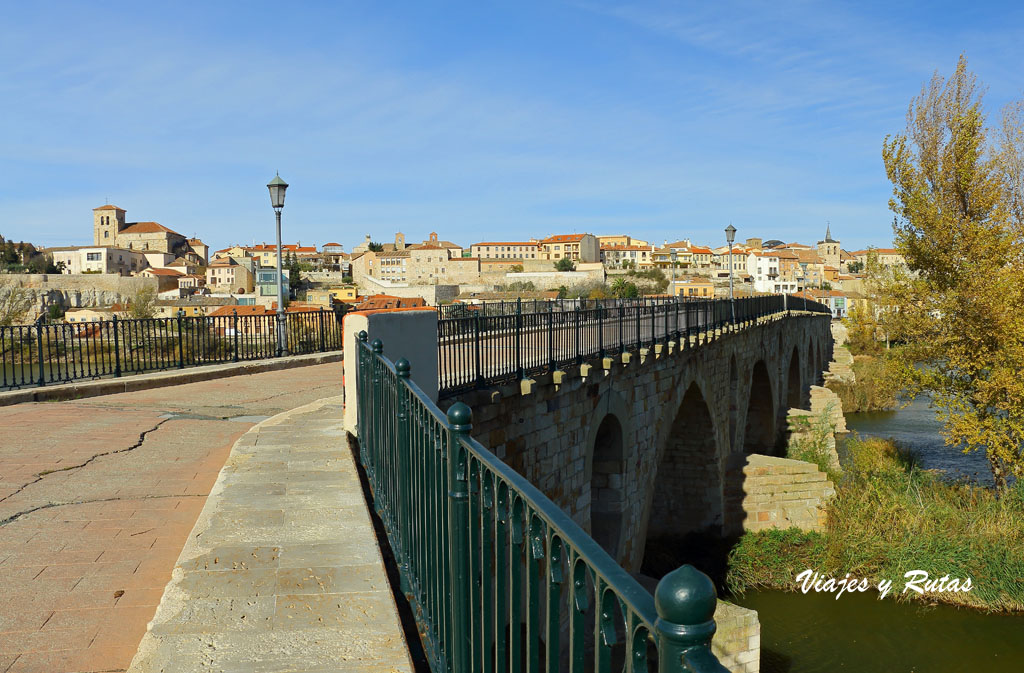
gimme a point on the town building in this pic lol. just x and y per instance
(621, 239)
(577, 247)
(514, 250)
(329, 296)
(111, 229)
(227, 275)
(626, 256)
(692, 286)
(99, 259)
(166, 279)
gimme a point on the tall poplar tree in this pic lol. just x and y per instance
(957, 196)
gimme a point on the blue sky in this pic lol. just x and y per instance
(478, 120)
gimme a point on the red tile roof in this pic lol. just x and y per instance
(147, 228)
(378, 301)
(110, 207)
(564, 238)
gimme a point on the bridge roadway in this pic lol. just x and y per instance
(97, 499)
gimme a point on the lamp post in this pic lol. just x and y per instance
(277, 187)
(730, 235)
(673, 255)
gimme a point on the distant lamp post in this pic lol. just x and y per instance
(673, 255)
(730, 236)
(277, 186)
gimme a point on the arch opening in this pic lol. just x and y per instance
(686, 516)
(759, 435)
(794, 387)
(606, 494)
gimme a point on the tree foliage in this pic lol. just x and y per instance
(565, 264)
(958, 196)
(142, 303)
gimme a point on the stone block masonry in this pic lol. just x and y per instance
(784, 493)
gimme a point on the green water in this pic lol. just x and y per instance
(815, 633)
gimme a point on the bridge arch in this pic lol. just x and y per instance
(607, 449)
(734, 401)
(794, 384)
(607, 500)
(686, 495)
(759, 432)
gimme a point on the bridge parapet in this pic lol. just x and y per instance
(478, 347)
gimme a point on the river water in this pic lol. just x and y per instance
(815, 633)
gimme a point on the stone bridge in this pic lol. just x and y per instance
(652, 444)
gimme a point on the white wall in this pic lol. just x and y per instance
(406, 334)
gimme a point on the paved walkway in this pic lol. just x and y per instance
(282, 571)
(97, 498)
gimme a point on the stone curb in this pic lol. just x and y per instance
(81, 389)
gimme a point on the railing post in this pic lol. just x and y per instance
(551, 338)
(404, 514)
(181, 344)
(117, 349)
(476, 350)
(600, 327)
(685, 600)
(323, 339)
(579, 335)
(234, 332)
(460, 419)
(519, 338)
(39, 350)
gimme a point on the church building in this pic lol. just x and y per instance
(111, 230)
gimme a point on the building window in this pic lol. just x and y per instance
(106, 234)
(93, 256)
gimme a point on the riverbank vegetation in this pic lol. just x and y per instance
(890, 517)
(876, 386)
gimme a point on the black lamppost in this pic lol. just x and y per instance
(277, 187)
(730, 235)
(673, 255)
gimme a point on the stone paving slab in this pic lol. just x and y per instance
(282, 572)
(97, 498)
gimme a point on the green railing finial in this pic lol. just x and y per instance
(460, 418)
(403, 367)
(362, 336)
(377, 346)
(685, 600)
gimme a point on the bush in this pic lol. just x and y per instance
(876, 387)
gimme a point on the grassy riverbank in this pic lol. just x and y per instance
(890, 517)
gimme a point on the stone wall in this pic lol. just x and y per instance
(79, 290)
(737, 642)
(783, 493)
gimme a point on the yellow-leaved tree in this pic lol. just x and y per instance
(957, 195)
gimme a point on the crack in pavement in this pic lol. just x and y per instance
(42, 475)
(18, 515)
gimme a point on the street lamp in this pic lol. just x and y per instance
(674, 256)
(277, 187)
(730, 235)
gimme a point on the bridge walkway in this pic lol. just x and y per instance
(283, 571)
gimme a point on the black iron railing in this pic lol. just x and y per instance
(499, 577)
(41, 354)
(495, 345)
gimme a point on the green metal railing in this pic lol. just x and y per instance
(498, 576)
